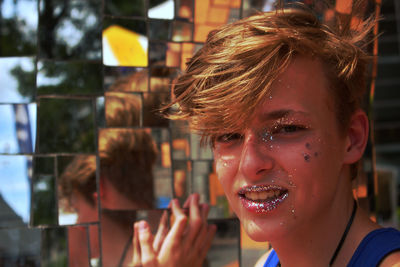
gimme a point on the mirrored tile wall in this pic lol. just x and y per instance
(83, 150)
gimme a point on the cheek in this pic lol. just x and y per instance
(226, 170)
(226, 166)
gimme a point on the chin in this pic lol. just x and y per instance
(256, 232)
(262, 231)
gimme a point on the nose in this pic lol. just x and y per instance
(256, 160)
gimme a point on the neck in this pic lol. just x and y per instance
(114, 239)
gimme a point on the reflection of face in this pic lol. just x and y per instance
(288, 160)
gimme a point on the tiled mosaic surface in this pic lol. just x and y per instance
(80, 83)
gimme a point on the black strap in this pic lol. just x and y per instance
(124, 252)
(346, 231)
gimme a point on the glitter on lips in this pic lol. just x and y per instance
(262, 199)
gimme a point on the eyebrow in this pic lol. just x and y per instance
(281, 113)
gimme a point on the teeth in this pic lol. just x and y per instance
(263, 195)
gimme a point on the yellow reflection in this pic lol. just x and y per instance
(122, 47)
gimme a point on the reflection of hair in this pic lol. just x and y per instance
(233, 72)
(122, 109)
(127, 157)
(79, 175)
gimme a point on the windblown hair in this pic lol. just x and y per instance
(233, 72)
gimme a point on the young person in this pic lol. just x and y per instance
(277, 95)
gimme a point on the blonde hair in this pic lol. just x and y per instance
(233, 72)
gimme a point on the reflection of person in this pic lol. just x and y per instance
(278, 97)
(126, 183)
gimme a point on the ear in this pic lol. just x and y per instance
(357, 137)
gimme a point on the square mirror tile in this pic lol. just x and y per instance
(17, 128)
(160, 29)
(17, 79)
(20, 245)
(66, 125)
(161, 9)
(70, 29)
(18, 27)
(54, 249)
(125, 42)
(123, 109)
(225, 248)
(125, 7)
(77, 189)
(69, 78)
(126, 79)
(15, 191)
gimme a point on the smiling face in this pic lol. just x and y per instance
(284, 170)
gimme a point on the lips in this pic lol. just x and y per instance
(262, 198)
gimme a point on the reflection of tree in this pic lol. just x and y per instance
(54, 247)
(44, 204)
(81, 19)
(26, 81)
(66, 125)
(74, 78)
(14, 41)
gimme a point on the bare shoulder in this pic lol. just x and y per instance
(393, 259)
(262, 259)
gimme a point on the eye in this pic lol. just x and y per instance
(230, 137)
(289, 128)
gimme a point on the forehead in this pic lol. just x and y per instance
(302, 89)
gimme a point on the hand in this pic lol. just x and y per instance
(185, 245)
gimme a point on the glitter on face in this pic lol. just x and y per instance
(265, 206)
(307, 157)
(308, 146)
(292, 209)
(266, 137)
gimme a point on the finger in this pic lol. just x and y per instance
(173, 240)
(136, 257)
(162, 231)
(204, 209)
(187, 201)
(148, 255)
(196, 221)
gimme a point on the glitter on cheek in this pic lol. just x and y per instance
(316, 154)
(266, 137)
(308, 146)
(307, 157)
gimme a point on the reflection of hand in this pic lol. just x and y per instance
(184, 245)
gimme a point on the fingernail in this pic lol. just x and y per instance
(142, 226)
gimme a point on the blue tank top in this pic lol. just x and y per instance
(371, 251)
